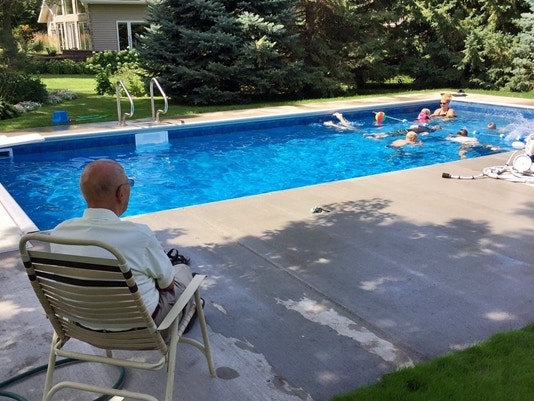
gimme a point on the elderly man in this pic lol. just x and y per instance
(106, 190)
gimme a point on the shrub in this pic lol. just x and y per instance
(17, 87)
(35, 65)
(7, 110)
(23, 34)
(111, 65)
(41, 42)
(132, 80)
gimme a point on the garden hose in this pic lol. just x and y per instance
(118, 384)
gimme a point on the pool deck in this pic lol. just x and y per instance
(302, 306)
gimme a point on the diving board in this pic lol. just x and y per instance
(7, 141)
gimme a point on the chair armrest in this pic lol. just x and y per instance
(186, 296)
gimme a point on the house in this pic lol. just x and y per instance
(96, 25)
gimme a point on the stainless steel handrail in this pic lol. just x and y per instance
(122, 117)
(155, 114)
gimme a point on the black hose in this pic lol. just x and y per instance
(462, 177)
(118, 384)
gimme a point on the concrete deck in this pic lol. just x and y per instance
(303, 306)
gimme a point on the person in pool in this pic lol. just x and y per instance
(410, 139)
(424, 129)
(445, 111)
(424, 116)
(342, 123)
(466, 142)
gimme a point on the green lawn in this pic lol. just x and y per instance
(499, 369)
(89, 106)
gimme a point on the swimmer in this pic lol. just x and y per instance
(424, 116)
(462, 136)
(382, 135)
(342, 123)
(465, 141)
(491, 125)
(424, 129)
(445, 111)
(410, 139)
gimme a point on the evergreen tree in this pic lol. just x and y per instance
(460, 42)
(523, 63)
(429, 40)
(343, 43)
(268, 64)
(491, 36)
(214, 52)
(192, 46)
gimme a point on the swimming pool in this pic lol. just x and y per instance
(204, 163)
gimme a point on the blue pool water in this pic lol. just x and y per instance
(215, 162)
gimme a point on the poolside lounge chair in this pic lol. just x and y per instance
(78, 292)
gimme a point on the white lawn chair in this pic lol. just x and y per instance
(79, 292)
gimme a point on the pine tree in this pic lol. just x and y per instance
(523, 64)
(192, 46)
(215, 52)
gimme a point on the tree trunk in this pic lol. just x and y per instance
(7, 41)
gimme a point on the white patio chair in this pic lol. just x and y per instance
(79, 292)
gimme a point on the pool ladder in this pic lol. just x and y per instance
(155, 113)
(122, 117)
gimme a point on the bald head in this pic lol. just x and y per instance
(103, 186)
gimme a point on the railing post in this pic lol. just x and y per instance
(155, 115)
(122, 118)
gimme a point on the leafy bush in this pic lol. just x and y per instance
(7, 110)
(18, 87)
(35, 65)
(64, 67)
(112, 65)
(132, 80)
(23, 34)
(38, 65)
(37, 46)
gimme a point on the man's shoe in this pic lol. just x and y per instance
(176, 258)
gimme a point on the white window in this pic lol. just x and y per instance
(128, 33)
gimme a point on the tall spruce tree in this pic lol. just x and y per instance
(268, 64)
(192, 46)
(215, 51)
(523, 63)
(459, 42)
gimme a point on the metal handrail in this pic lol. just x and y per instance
(155, 115)
(122, 117)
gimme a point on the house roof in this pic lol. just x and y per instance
(43, 14)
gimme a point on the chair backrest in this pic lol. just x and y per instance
(95, 300)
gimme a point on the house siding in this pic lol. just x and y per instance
(103, 22)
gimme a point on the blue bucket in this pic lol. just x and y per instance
(60, 117)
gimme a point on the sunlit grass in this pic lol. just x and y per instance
(500, 369)
(91, 107)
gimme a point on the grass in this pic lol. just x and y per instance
(501, 368)
(104, 108)
(90, 104)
